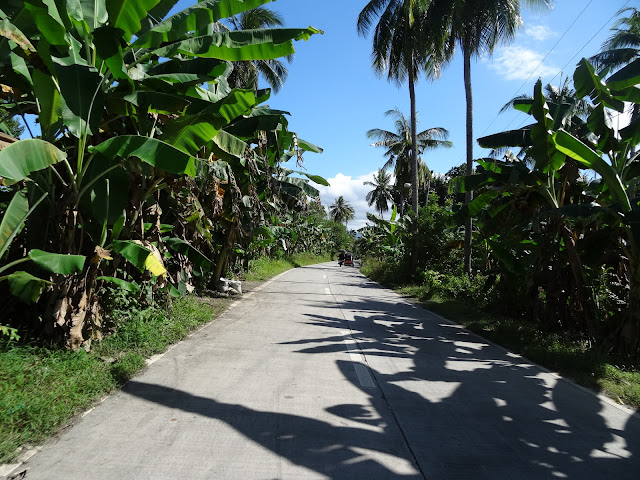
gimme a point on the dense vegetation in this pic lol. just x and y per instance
(158, 168)
(555, 209)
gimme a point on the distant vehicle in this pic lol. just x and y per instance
(345, 258)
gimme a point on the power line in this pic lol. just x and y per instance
(565, 66)
(541, 62)
(590, 40)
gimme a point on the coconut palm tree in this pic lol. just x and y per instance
(245, 74)
(399, 151)
(476, 27)
(400, 53)
(623, 46)
(381, 194)
(341, 211)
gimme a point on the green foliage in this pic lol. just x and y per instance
(386, 272)
(150, 166)
(551, 231)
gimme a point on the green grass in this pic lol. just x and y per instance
(265, 268)
(616, 377)
(41, 389)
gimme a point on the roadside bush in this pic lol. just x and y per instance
(458, 287)
(385, 271)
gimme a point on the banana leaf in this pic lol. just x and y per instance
(82, 95)
(50, 115)
(574, 148)
(309, 147)
(225, 145)
(314, 178)
(191, 132)
(49, 21)
(298, 184)
(57, 263)
(260, 118)
(140, 257)
(510, 138)
(25, 286)
(14, 217)
(127, 14)
(189, 251)
(128, 286)
(193, 19)
(626, 77)
(10, 31)
(157, 153)
(20, 159)
(90, 13)
(240, 45)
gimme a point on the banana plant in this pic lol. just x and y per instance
(129, 107)
(616, 193)
(548, 181)
(538, 196)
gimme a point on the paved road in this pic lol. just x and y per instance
(324, 374)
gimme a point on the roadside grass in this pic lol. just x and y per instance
(41, 388)
(265, 268)
(614, 376)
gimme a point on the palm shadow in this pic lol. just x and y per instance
(472, 410)
(336, 451)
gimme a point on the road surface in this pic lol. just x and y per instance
(324, 374)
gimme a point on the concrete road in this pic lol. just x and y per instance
(324, 374)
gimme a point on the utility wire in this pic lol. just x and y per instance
(570, 60)
(541, 62)
(589, 41)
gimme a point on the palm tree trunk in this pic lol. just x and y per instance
(469, 194)
(414, 164)
(426, 201)
(414, 143)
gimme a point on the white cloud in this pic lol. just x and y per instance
(354, 192)
(519, 63)
(539, 32)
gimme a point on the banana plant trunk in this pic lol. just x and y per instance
(580, 277)
(630, 331)
(469, 194)
(224, 253)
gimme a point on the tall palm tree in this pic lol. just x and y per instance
(399, 151)
(400, 53)
(341, 211)
(623, 46)
(381, 194)
(245, 73)
(476, 27)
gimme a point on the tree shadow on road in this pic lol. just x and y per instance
(472, 410)
(339, 452)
